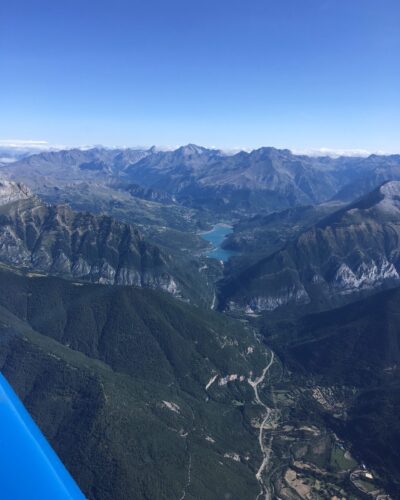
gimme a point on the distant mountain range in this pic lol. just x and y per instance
(264, 179)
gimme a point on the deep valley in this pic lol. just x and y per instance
(196, 325)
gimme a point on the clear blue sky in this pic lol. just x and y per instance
(230, 73)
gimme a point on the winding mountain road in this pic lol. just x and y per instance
(265, 449)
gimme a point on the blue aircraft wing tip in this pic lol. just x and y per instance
(29, 467)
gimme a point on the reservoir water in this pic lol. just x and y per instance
(216, 236)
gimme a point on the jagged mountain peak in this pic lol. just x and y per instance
(269, 151)
(193, 148)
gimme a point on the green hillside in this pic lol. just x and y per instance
(116, 379)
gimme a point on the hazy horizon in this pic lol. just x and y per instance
(33, 147)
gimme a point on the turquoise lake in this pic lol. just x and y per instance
(216, 236)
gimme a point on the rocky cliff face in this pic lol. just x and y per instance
(354, 250)
(57, 240)
(13, 191)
